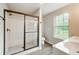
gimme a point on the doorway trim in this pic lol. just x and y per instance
(4, 42)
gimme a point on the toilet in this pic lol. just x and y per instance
(42, 41)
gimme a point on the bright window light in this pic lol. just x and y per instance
(61, 25)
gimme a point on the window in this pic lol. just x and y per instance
(61, 26)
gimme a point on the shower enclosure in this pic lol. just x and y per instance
(21, 32)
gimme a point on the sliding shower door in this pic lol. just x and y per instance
(21, 32)
(14, 32)
(31, 32)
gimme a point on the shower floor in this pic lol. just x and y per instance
(16, 49)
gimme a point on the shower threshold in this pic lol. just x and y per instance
(18, 49)
(27, 51)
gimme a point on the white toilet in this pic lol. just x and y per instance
(42, 41)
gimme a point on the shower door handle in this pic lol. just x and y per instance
(8, 29)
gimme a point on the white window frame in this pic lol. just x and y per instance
(54, 26)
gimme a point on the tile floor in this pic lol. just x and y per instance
(48, 50)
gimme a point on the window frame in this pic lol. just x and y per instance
(55, 26)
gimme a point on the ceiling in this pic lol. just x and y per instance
(51, 7)
(28, 8)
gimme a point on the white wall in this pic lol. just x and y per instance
(2, 7)
(48, 29)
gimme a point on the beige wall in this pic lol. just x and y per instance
(74, 20)
(73, 10)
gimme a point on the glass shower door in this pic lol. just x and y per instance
(31, 32)
(14, 28)
(21, 32)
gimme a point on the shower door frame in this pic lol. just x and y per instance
(24, 43)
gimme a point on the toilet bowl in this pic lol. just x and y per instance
(42, 41)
